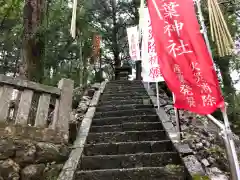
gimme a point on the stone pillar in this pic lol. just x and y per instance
(123, 72)
(63, 106)
(138, 70)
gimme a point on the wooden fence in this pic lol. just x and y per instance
(63, 106)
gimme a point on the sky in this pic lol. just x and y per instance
(235, 76)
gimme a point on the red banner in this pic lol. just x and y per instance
(96, 46)
(184, 59)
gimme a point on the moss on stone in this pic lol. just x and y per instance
(173, 168)
(215, 149)
(52, 178)
(200, 177)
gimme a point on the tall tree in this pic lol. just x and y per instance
(33, 39)
(115, 34)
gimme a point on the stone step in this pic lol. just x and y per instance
(129, 160)
(138, 112)
(128, 91)
(128, 127)
(121, 107)
(127, 96)
(124, 82)
(125, 93)
(148, 173)
(123, 102)
(129, 83)
(124, 119)
(125, 89)
(128, 148)
(130, 136)
(135, 85)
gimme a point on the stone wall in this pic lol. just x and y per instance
(31, 159)
(80, 110)
(203, 138)
(81, 120)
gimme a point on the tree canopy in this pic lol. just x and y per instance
(36, 42)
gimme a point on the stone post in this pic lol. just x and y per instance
(138, 70)
(123, 72)
(63, 106)
(5, 99)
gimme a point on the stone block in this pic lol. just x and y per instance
(193, 166)
(33, 133)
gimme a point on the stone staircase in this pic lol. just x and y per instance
(127, 140)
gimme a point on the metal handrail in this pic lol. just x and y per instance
(229, 145)
(216, 122)
(227, 137)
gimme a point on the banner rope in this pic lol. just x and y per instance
(219, 30)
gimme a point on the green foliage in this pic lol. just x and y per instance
(227, 64)
(62, 56)
(10, 9)
(61, 53)
(200, 177)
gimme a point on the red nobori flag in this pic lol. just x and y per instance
(96, 45)
(184, 59)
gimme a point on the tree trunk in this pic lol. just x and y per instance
(229, 91)
(85, 73)
(80, 61)
(224, 66)
(136, 4)
(5, 62)
(114, 36)
(33, 40)
(16, 64)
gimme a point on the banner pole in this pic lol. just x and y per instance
(229, 143)
(178, 125)
(230, 147)
(204, 29)
(157, 89)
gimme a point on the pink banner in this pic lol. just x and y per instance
(133, 41)
(150, 66)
